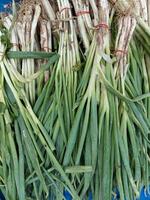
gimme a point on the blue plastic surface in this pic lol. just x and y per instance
(143, 196)
(1, 196)
(90, 196)
(5, 5)
(67, 195)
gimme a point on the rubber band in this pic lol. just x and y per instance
(120, 51)
(83, 12)
(5, 14)
(101, 25)
(65, 8)
(46, 48)
(15, 45)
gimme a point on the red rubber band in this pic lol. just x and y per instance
(15, 45)
(47, 48)
(120, 51)
(83, 12)
(65, 8)
(101, 25)
(5, 14)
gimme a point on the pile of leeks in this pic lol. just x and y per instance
(75, 99)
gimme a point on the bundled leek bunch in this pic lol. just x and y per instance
(75, 99)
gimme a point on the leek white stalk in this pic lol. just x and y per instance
(49, 10)
(79, 8)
